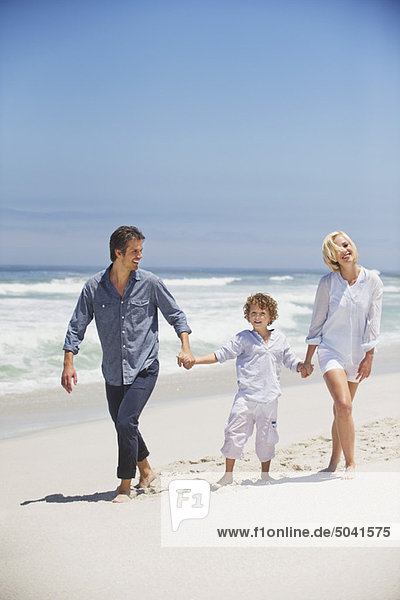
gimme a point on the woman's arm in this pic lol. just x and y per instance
(307, 365)
(320, 313)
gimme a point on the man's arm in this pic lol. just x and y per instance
(82, 316)
(69, 373)
(185, 357)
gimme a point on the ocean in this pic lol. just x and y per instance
(36, 304)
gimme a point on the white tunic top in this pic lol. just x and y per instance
(346, 319)
(258, 364)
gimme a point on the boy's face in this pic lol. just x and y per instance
(259, 318)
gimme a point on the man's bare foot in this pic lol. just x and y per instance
(146, 480)
(226, 479)
(350, 472)
(122, 497)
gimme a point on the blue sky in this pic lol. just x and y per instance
(232, 133)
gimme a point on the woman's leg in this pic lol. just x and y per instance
(342, 393)
(336, 445)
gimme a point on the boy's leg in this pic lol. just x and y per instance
(265, 471)
(237, 431)
(266, 436)
(227, 477)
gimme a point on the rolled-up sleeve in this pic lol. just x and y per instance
(373, 322)
(81, 317)
(320, 313)
(170, 310)
(230, 350)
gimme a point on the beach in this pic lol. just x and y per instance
(64, 538)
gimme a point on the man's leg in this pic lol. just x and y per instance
(125, 407)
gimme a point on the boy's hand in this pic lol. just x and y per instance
(305, 369)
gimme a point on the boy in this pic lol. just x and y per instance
(259, 355)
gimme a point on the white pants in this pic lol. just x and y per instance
(243, 416)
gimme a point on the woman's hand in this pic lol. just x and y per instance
(365, 366)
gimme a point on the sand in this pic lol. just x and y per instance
(63, 538)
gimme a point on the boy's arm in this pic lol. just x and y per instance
(206, 359)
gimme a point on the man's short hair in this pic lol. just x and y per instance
(121, 237)
(264, 302)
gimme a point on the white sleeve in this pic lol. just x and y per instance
(373, 322)
(290, 359)
(230, 350)
(320, 313)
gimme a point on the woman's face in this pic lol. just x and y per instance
(346, 255)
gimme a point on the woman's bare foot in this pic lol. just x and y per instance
(349, 472)
(331, 468)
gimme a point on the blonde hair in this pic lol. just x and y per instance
(264, 302)
(330, 249)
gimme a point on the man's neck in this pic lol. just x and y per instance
(119, 277)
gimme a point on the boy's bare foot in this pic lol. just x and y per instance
(226, 479)
(266, 478)
(146, 480)
(350, 472)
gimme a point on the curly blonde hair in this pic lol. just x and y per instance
(262, 301)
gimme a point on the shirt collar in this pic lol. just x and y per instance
(133, 275)
(254, 332)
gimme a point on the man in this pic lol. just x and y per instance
(124, 300)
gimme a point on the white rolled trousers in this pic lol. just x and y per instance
(243, 416)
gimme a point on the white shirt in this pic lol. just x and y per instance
(258, 364)
(346, 319)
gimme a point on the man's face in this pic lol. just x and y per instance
(133, 254)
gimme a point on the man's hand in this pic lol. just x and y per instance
(186, 359)
(69, 373)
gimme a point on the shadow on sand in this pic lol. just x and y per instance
(319, 477)
(61, 499)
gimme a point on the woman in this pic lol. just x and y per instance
(345, 328)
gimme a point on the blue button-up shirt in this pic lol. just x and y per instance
(127, 325)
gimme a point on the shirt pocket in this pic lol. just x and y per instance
(138, 309)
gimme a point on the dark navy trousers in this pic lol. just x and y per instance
(125, 403)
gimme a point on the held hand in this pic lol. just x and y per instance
(306, 369)
(364, 368)
(186, 360)
(68, 375)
